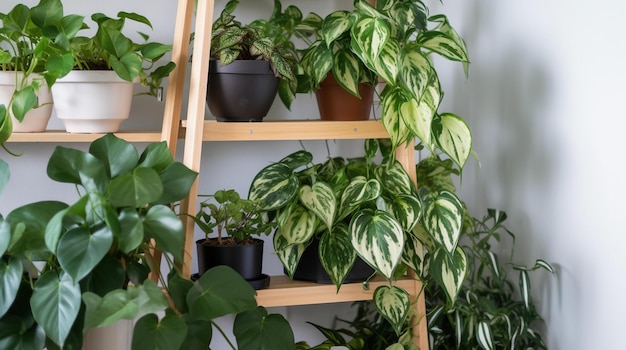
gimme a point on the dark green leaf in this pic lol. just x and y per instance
(151, 334)
(80, 251)
(77, 167)
(10, 277)
(118, 156)
(162, 224)
(256, 330)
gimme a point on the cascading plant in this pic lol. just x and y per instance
(358, 207)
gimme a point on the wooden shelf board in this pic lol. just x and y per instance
(62, 136)
(292, 130)
(285, 292)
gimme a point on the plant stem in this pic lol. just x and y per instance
(219, 329)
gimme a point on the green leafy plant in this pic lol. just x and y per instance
(34, 43)
(94, 258)
(110, 49)
(391, 42)
(358, 207)
(232, 216)
(492, 311)
(260, 40)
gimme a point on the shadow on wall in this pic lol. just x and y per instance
(506, 101)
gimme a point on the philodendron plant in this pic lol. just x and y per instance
(91, 260)
(392, 40)
(358, 207)
(34, 43)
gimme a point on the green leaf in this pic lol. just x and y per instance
(156, 156)
(387, 66)
(370, 35)
(55, 226)
(55, 304)
(118, 156)
(347, 71)
(443, 218)
(418, 114)
(10, 277)
(453, 136)
(449, 271)
(80, 251)
(77, 167)
(406, 209)
(219, 291)
(393, 303)
(135, 189)
(484, 335)
(199, 334)
(416, 71)
(108, 275)
(131, 231)
(413, 254)
(299, 225)
(334, 25)
(177, 287)
(167, 334)
(443, 44)
(34, 218)
(256, 330)
(4, 171)
(358, 191)
(378, 239)
(393, 121)
(275, 185)
(524, 286)
(23, 101)
(318, 61)
(320, 199)
(5, 235)
(162, 224)
(17, 333)
(396, 179)
(177, 180)
(289, 255)
(336, 253)
(297, 159)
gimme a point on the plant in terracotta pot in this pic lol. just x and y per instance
(361, 208)
(249, 64)
(235, 221)
(34, 53)
(91, 260)
(113, 62)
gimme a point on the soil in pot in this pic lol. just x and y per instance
(310, 268)
(241, 91)
(336, 103)
(246, 258)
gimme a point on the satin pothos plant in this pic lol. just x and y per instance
(359, 207)
(393, 41)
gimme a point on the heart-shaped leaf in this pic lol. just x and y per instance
(10, 277)
(80, 250)
(256, 330)
(150, 333)
(289, 255)
(358, 191)
(449, 271)
(275, 185)
(320, 199)
(393, 303)
(162, 224)
(443, 217)
(336, 253)
(299, 226)
(453, 136)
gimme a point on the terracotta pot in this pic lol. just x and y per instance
(242, 91)
(336, 103)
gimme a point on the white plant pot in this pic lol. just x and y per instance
(92, 101)
(36, 120)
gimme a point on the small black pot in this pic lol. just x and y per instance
(241, 91)
(310, 268)
(245, 259)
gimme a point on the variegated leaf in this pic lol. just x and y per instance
(289, 255)
(393, 304)
(320, 61)
(443, 217)
(449, 271)
(392, 119)
(365, 8)
(484, 336)
(386, 65)
(453, 136)
(395, 178)
(415, 71)
(443, 44)
(336, 253)
(275, 185)
(334, 25)
(418, 115)
(524, 286)
(445, 27)
(370, 35)
(358, 191)
(347, 71)
(407, 210)
(300, 226)
(378, 239)
(309, 24)
(413, 254)
(320, 199)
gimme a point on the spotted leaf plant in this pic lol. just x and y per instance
(360, 207)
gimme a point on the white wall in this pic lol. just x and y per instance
(544, 102)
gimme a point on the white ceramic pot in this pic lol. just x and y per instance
(92, 101)
(36, 120)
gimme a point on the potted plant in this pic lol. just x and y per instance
(31, 59)
(106, 66)
(88, 251)
(249, 64)
(365, 209)
(235, 221)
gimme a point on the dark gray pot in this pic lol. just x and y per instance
(241, 91)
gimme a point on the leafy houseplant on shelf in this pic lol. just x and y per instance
(236, 220)
(94, 256)
(249, 64)
(366, 209)
(393, 40)
(106, 66)
(34, 53)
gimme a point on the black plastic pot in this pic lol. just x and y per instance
(245, 259)
(310, 268)
(241, 91)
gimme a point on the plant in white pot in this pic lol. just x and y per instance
(31, 59)
(235, 221)
(106, 67)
